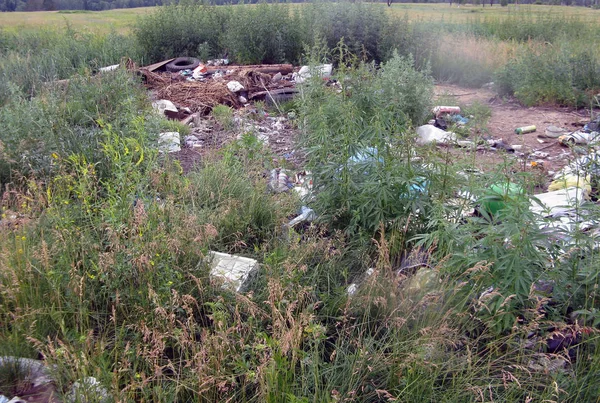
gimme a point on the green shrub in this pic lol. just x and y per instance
(273, 33)
(359, 144)
(361, 26)
(265, 33)
(560, 74)
(185, 29)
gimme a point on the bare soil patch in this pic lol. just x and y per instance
(507, 115)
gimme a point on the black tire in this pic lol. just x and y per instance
(182, 63)
(271, 100)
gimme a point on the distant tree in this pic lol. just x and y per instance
(48, 5)
(34, 5)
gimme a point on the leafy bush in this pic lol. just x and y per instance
(362, 27)
(560, 74)
(184, 29)
(272, 33)
(359, 147)
(263, 34)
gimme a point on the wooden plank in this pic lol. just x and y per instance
(156, 66)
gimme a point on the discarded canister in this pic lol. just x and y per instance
(525, 129)
(440, 110)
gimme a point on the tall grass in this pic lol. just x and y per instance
(32, 59)
(469, 60)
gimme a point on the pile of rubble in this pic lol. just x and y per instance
(200, 86)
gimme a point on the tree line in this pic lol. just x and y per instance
(99, 5)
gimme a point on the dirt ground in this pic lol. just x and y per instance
(507, 115)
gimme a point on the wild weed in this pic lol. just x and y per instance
(359, 147)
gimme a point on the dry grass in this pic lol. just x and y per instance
(465, 13)
(488, 53)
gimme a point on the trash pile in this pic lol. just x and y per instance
(189, 83)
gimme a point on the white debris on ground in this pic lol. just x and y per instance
(165, 107)
(88, 390)
(429, 134)
(169, 142)
(236, 272)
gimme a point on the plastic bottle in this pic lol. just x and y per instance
(525, 129)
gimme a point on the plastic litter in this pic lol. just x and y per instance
(169, 142)
(553, 132)
(525, 129)
(499, 144)
(592, 126)
(579, 137)
(428, 134)
(539, 154)
(570, 180)
(458, 119)
(165, 107)
(498, 195)
(199, 71)
(306, 72)
(192, 142)
(235, 86)
(440, 110)
(280, 181)
(109, 68)
(217, 62)
(306, 215)
(352, 288)
(558, 201)
(236, 272)
(368, 155)
(304, 184)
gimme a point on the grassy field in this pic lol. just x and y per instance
(123, 19)
(464, 13)
(98, 21)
